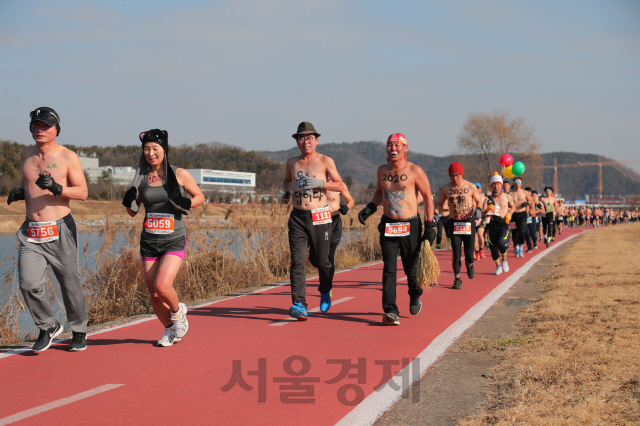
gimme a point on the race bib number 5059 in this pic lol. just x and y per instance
(159, 223)
(42, 232)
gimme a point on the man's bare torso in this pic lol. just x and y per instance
(400, 194)
(519, 199)
(41, 204)
(500, 205)
(461, 202)
(314, 167)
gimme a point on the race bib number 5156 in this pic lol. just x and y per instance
(42, 232)
(159, 223)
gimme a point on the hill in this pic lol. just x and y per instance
(360, 160)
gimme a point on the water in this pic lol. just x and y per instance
(9, 253)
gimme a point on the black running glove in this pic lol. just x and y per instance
(48, 183)
(15, 195)
(182, 204)
(129, 197)
(366, 212)
(429, 231)
(344, 209)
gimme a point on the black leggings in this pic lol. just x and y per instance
(458, 240)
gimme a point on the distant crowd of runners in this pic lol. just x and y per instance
(505, 216)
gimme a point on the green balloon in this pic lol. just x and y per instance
(517, 168)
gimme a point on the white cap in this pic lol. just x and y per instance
(496, 178)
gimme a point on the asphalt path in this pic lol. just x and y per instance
(245, 362)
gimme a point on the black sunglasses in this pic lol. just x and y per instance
(43, 114)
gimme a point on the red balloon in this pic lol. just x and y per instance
(506, 160)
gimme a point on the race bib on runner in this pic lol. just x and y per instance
(478, 222)
(42, 232)
(495, 211)
(159, 223)
(529, 219)
(321, 216)
(400, 229)
(560, 217)
(462, 228)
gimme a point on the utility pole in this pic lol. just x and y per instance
(555, 176)
(600, 175)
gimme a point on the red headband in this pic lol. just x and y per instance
(456, 167)
(397, 137)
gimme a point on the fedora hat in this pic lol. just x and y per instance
(305, 128)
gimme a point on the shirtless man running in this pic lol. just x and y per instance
(442, 218)
(550, 208)
(462, 195)
(51, 176)
(310, 222)
(399, 183)
(524, 203)
(498, 208)
(337, 209)
(480, 227)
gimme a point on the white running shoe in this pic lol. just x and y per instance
(498, 270)
(168, 338)
(505, 266)
(180, 323)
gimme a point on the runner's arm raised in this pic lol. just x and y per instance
(422, 183)
(75, 176)
(336, 184)
(287, 181)
(186, 180)
(347, 197)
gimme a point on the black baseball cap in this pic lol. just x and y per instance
(45, 114)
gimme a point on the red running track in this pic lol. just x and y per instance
(286, 373)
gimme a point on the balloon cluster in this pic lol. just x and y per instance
(509, 168)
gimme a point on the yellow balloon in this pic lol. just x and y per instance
(507, 172)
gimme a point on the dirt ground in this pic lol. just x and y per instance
(570, 357)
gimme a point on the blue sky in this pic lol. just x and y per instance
(246, 73)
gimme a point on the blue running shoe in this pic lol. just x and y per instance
(298, 311)
(325, 301)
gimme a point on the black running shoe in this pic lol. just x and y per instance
(457, 283)
(471, 272)
(391, 319)
(415, 306)
(45, 338)
(79, 342)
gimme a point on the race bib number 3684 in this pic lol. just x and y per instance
(159, 223)
(42, 232)
(400, 229)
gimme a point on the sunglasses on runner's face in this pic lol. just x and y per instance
(42, 114)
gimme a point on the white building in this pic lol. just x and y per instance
(90, 164)
(224, 180)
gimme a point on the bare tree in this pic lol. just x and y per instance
(485, 137)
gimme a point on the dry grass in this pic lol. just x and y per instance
(249, 249)
(579, 362)
(428, 267)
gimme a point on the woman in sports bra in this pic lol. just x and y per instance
(163, 241)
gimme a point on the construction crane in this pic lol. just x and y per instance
(600, 163)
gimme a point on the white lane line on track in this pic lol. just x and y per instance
(287, 320)
(55, 404)
(373, 406)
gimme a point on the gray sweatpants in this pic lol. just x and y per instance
(62, 254)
